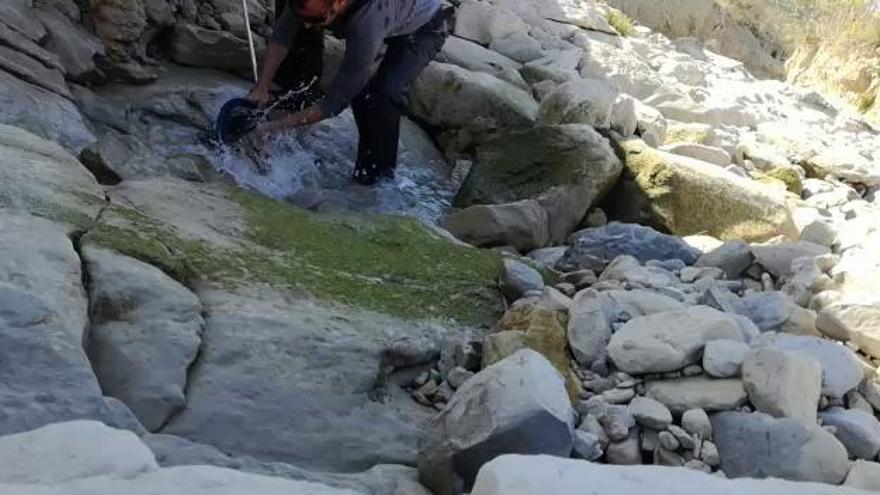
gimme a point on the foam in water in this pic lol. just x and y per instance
(312, 168)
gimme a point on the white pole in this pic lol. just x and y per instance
(247, 25)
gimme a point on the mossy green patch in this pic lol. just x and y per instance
(388, 264)
(787, 176)
(621, 22)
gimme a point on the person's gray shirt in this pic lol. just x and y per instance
(364, 29)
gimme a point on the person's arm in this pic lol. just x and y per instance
(275, 55)
(284, 32)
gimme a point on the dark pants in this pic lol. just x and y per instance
(377, 110)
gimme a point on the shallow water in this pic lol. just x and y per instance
(312, 168)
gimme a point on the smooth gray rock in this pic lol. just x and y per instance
(43, 113)
(41, 177)
(587, 446)
(629, 272)
(45, 376)
(650, 413)
(724, 358)
(777, 258)
(75, 47)
(617, 422)
(522, 224)
(474, 57)
(733, 257)
(610, 241)
(670, 340)
(199, 47)
(841, 370)
(698, 392)
(696, 422)
(517, 278)
(548, 256)
(518, 405)
(625, 452)
(759, 446)
(293, 368)
(857, 430)
(864, 475)
(782, 384)
(542, 475)
(858, 323)
(775, 311)
(592, 314)
(144, 333)
(171, 450)
(579, 101)
(63, 458)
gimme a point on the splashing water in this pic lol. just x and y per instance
(312, 168)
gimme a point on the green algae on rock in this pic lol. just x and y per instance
(388, 264)
(686, 197)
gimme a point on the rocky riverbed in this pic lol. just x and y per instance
(610, 258)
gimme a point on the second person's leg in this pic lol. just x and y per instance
(378, 108)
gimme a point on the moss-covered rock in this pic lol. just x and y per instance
(544, 331)
(688, 197)
(225, 235)
(787, 176)
(689, 133)
(564, 168)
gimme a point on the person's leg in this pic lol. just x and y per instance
(378, 108)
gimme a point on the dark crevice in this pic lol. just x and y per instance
(76, 239)
(92, 161)
(191, 369)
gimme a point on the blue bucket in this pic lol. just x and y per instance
(238, 117)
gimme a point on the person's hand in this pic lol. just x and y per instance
(259, 95)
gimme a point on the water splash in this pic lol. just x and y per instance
(312, 168)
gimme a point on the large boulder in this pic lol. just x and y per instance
(33, 71)
(62, 452)
(777, 258)
(759, 446)
(144, 332)
(592, 314)
(199, 47)
(538, 475)
(687, 196)
(683, 394)
(841, 368)
(45, 376)
(596, 247)
(522, 224)
(484, 22)
(580, 101)
(75, 47)
(566, 169)
(42, 178)
(774, 311)
(42, 112)
(88, 457)
(448, 96)
(855, 322)
(516, 406)
(671, 340)
(473, 56)
(783, 385)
